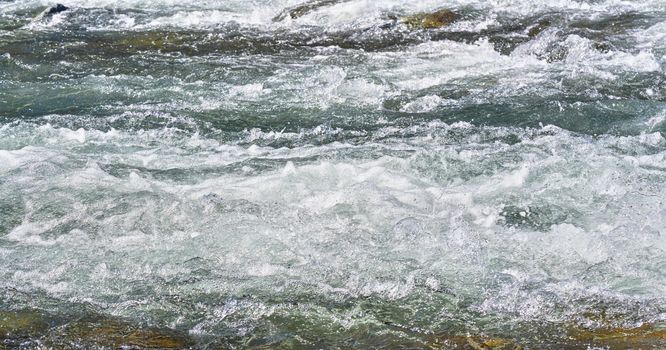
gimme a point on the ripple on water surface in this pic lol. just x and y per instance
(225, 174)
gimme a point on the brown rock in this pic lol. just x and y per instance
(471, 343)
(115, 333)
(645, 336)
(436, 19)
(25, 323)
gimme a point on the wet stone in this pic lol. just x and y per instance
(56, 9)
(472, 343)
(646, 336)
(511, 139)
(603, 47)
(304, 9)
(115, 333)
(505, 44)
(538, 28)
(22, 324)
(432, 20)
(18, 328)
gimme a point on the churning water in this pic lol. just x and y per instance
(339, 179)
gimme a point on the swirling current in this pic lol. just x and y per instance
(285, 174)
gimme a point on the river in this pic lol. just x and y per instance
(339, 179)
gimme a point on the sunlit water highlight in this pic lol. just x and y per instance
(336, 180)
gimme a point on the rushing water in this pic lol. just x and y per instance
(337, 180)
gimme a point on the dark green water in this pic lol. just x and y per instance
(337, 180)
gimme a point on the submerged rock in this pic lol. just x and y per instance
(147, 41)
(472, 343)
(115, 333)
(491, 344)
(56, 9)
(91, 331)
(539, 218)
(646, 336)
(538, 28)
(11, 210)
(432, 20)
(51, 11)
(22, 324)
(512, 34)
(559, 49)
(304, 9)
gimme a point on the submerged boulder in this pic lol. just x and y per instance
(426, 20)
(56, 9)
(108, 332)
(479, 343)
(432, 20)
(645, 336)
(304, 9)
(51, 11)
(539, 27)
(471, 342)
(22, 324)
(25, 328)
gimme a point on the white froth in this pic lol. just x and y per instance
(518, 221)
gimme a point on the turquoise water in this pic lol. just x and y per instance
(337, 180)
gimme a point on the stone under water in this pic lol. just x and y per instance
(432, 20)
(87, 331)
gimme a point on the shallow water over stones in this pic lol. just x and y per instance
(332, 174)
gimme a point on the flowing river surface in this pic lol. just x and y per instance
(341, 179)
